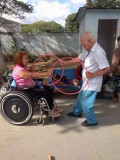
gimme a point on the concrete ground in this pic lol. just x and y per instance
(64, 139)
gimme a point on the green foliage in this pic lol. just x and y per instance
(15, 7)
(89, 4)
(14, 45)
(70, 25)
(24, 48)
(5, 75)
(7, 72)
(42, 26)
(32, 58)
(26, 28)
(103, 4)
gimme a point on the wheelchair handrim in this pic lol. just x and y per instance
(25, 100)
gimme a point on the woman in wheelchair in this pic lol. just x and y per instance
(24, 78)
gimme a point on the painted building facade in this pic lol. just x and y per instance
(105, 25)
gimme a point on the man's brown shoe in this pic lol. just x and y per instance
(86, 124)
(71, 114)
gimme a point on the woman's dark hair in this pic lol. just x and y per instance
(18, 57)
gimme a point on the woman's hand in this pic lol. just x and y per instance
(49, 72)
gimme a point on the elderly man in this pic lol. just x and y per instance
(95, 66)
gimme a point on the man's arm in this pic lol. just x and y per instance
(90, 75)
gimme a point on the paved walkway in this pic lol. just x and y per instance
(65, 139)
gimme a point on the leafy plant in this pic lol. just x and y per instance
(14, 45)
(70, 25)
(103, 4)
(15, 8)
(42, 26)
(5, 75)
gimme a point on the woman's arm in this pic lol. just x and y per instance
(73, 60)
(30, 75)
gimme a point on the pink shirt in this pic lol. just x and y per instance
(21, 81)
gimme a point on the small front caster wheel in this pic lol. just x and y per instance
(40, 121)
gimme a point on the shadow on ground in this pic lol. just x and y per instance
(107, 112)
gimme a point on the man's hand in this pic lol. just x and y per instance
(89, 75)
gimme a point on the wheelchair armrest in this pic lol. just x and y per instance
(24, 87)
(39, 79)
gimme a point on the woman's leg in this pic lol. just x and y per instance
(47, 94)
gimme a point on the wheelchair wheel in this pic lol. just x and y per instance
(16, 107)
(40, 121)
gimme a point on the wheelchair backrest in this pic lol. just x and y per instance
(11, 82)
(10, 85)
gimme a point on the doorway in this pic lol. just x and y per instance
(107, 36)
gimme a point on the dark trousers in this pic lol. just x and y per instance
(46, 93)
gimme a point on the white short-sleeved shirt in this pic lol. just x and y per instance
(95, 61)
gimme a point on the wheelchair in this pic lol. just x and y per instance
(17, 106)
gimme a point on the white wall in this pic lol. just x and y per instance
(89, 22)
(92, 17)
(9, 26)
(63, 44)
